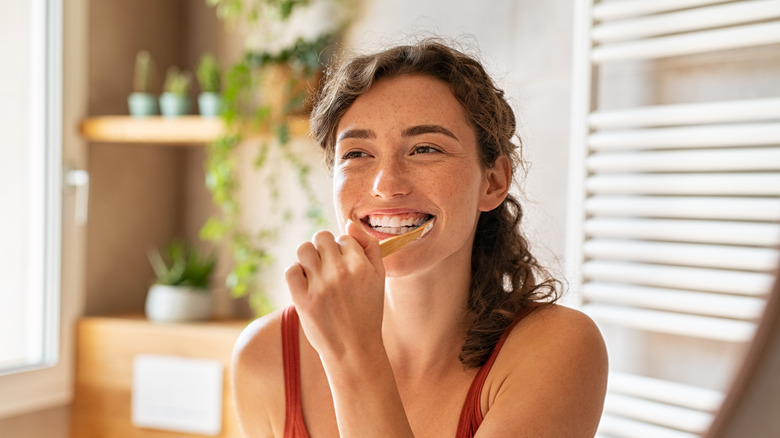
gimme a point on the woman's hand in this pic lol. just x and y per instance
(337, 287)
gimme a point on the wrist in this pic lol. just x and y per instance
(354, 366)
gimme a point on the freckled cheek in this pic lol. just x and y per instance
(449, 185)
(346, 191)
(456, 191)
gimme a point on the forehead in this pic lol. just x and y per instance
(408, 100)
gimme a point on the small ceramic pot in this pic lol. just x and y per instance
(142, 104)
(210, 104)
(173, 105)
(177, 304)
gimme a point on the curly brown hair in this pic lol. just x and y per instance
(505, 277)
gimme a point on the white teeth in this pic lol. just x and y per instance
(395, 224)
(395, 221)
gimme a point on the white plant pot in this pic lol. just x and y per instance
(177, 303)
(210, 104)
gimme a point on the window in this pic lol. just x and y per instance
(29, 265)
(676, 176)
(30, 192)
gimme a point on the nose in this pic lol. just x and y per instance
(391, 180)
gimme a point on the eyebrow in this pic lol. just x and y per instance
(428, 129)
(356, 133)
(408, 132)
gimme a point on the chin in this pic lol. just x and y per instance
(405, 264)
(399, 265)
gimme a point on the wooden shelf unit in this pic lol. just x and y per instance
(181, 131)
(107, 345)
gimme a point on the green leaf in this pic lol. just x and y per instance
(182, 265)
(214, 229)
(262, 155)
(209, 74)
(283, 133)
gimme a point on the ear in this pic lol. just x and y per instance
(497, 182)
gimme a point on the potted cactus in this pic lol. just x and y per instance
(142, 102)
(175, 100)
(209, 79)
(181, 288)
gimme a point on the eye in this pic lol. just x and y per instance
(349, 155)
(425, 149)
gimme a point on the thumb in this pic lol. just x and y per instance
(369, 243)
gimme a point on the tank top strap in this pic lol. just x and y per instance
(294, 426)
(471, 413)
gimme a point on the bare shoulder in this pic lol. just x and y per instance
(549, 378)
(257, 376)
(557, 334)
(556, 324)
(259, 342)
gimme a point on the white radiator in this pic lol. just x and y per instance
(675, 208)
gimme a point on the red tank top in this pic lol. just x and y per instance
(294, 427)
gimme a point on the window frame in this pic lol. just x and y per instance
(44, 382)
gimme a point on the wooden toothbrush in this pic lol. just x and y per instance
(393, 244)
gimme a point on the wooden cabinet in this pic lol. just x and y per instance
(106, 347)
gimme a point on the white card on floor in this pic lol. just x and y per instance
(177, 393)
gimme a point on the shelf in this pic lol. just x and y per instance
(178, 131)
(125, 129)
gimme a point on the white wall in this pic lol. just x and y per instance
(526, 46)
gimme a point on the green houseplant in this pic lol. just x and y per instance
(142, 102)
(175, 99)
(209, 77)
(257, 12)
(181, 288)
(262, 91)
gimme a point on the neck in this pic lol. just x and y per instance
(424, 322)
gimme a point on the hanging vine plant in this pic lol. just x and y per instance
(245, 114)
(251, 11)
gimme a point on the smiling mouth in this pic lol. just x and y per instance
(396, 224)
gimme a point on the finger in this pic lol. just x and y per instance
(297, 282)
(355, 231)
(369, 243)
(326, 245)
(350, 245)
(308, 257)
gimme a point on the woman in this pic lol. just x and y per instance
(455, 334)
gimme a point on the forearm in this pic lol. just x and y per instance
(366, 397)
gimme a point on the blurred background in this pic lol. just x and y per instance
(651, 130)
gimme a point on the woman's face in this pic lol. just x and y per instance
(405, 152)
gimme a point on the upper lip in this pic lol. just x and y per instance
(394, 212)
